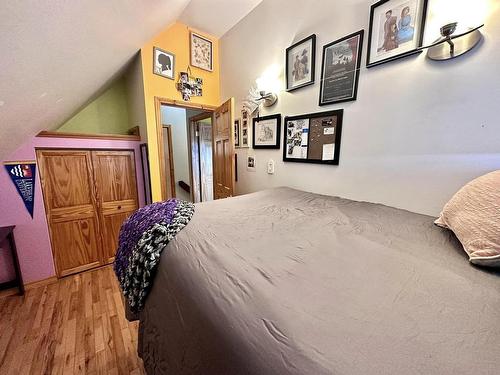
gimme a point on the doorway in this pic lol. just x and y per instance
(187, 152)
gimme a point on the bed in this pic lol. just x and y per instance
(288, 282)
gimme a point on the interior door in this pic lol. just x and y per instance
(69, 195)
(169, 162)
(223, 149)
(114, 173)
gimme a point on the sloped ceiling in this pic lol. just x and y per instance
(55, 55)
(216, 17)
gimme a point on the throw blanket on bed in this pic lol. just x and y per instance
(143, 236)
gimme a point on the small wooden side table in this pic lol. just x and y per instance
(8, 233)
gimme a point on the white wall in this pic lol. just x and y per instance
(419, 129)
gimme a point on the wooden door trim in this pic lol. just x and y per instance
(170, 157)
(159, 101)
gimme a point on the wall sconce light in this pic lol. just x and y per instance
(268, 98)
(451, 45)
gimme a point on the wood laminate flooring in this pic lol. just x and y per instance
(74, 326)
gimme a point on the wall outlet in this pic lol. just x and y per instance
(270, 166)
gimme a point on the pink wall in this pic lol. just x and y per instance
(32, 236)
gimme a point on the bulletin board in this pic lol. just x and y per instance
(313, 138)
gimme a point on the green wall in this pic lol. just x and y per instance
(105, 115)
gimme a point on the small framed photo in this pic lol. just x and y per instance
(396, 30)
(313, 138)
(300, 63)
(163, 63)
(251, 163)
(340, 69)
(201, 51)
(237, 126)
(266, 132)
(244, 139)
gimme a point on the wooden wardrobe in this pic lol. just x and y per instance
(87, 194)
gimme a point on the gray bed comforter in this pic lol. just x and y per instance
(288, 282)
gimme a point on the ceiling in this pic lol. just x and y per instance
(56, 55)
(216, 17)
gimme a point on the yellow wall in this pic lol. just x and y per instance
(174, 39)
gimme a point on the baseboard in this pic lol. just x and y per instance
(40, 283)
(9, 292)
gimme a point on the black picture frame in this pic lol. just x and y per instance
(255, 120)
(420, 35)
(172, 62)
(339, 113)
(354, 79)
(312, 39)
(145, 173)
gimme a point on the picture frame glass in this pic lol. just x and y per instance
(300, 60)
(396, 29)
(340, 69)
(163, 63)
(201, 52)
(237, 126)
(266, 132)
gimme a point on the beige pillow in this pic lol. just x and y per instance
(473, 214)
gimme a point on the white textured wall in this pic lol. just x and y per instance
(419, 129)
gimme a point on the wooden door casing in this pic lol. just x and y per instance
(223, 149)
(114, 174)
(70, 204)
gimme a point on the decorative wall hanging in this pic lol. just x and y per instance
(201, 51)
(189, 86)
(22, 174)
(340, 69)
(245, 118)
(300, 63)
(396, 30)
(251, 163)
(313, 138)
(237, 126)
(163, 63)
(266, 132)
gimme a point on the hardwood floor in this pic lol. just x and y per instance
(74, 326)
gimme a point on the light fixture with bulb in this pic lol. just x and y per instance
(451, 45)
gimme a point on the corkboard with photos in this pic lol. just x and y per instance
(313, 138)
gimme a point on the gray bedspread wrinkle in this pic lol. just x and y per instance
(288, 282)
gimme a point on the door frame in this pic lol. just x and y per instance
(171, 157)
(159, 101)
(201, 116)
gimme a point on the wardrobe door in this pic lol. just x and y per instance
(116, 194)
(69, 196)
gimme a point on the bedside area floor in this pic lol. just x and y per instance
(74, 326)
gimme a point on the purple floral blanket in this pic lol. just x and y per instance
(143, 236)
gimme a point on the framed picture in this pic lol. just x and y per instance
(340, 69)
(145, 173)
(163, 63)
(396, 30)
(266, 132)
(300, 63)
(201, 52)
(244, 139)
(251, 163)
(237, 125)
(313, 138)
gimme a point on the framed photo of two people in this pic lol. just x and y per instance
(396, 30)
